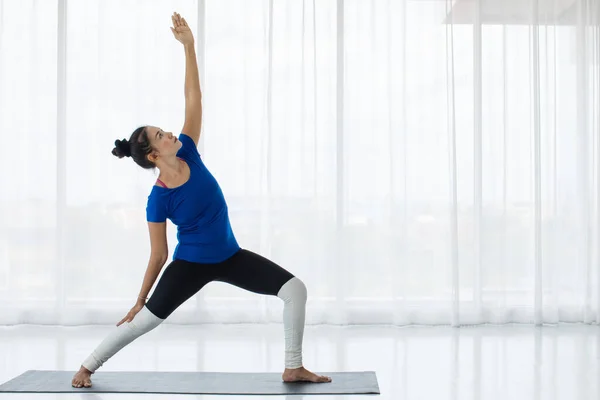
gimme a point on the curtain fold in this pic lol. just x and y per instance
(413, 162)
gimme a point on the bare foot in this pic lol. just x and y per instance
(82, 378)
(302, 374)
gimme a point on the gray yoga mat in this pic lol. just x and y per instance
(191, 383)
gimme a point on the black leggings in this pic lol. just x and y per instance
(183, 279)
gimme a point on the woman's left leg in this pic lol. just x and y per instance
(250, 271)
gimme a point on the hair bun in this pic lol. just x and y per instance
(122, 149)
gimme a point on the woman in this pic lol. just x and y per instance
(187, 194)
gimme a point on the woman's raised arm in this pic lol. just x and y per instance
(193, 95)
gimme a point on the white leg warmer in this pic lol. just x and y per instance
(120, 337)
(294, 295)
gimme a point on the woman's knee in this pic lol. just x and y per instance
(293, 290)
(145, 320)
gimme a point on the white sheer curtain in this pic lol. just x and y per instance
(412, 161)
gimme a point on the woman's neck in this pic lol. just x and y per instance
(171, 169)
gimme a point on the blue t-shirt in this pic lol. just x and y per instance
(198, 209)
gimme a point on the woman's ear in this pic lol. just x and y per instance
(153, 156)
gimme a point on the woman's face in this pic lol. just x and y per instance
(164, 143)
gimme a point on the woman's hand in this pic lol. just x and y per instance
(132, 313)
(181, 30)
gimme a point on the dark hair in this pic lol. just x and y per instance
(137, 147)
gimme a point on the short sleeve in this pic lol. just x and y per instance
(188, 148)
(156, 210)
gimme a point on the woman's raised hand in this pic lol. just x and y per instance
(181, 30)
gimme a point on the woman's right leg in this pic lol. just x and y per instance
(180, 281)
(121, 336)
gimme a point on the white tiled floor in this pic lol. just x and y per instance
(487, 362)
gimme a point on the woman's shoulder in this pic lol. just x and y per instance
(188, 149)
